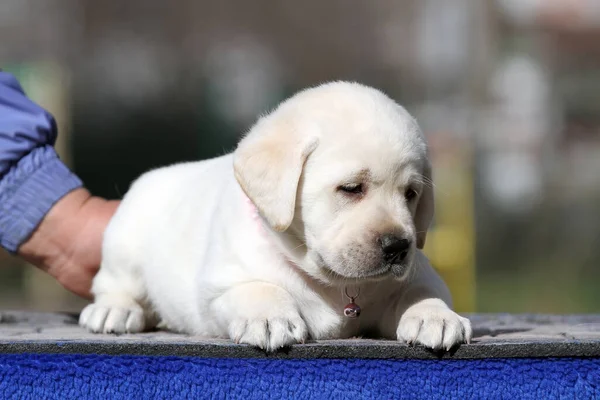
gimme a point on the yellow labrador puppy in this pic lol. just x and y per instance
(311, 229)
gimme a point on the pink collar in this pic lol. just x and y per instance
(255, 215)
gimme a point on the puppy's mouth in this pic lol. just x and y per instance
(377, 274)
(386, 269)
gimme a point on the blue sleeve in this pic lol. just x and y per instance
(32, 177)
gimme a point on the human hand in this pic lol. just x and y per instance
(68, 242)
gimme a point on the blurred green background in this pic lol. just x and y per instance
(507, 92)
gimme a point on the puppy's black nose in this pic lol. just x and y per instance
(394, 248)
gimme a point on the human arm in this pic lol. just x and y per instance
(46, 216)
(67, 243)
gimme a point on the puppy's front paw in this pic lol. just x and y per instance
(434, 325)
(113, 317)
(270, 331)
(260, 314)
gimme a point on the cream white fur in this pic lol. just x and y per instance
(188, 248)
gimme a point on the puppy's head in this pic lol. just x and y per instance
(344, 169)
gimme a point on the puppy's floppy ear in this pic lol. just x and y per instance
(268, 164)
(425, 207)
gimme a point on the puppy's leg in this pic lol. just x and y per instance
(422, 314)
(260, 314)
(119, 294)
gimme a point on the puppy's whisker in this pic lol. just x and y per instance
(428, 182)
(289, 234)
(413, 271)
(300, 245)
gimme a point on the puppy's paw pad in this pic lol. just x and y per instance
(270, 333)
(99, 318)
(434, 327)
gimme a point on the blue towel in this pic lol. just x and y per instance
(45, 376)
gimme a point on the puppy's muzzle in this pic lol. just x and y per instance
(395, 250)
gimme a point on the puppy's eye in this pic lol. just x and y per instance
(410, 194)
(351, 188)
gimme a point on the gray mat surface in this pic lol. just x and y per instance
(495, 336)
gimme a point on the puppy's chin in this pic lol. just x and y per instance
(340, 272)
